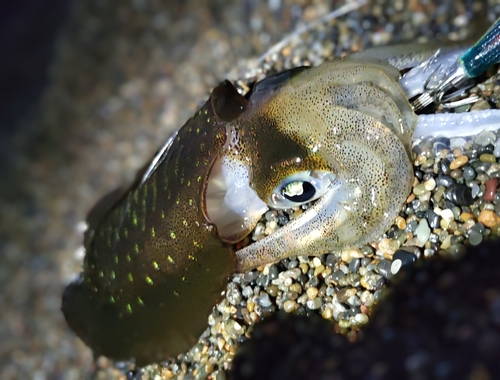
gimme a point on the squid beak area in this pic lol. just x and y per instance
(231, 204)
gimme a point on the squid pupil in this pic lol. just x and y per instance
(298, 191)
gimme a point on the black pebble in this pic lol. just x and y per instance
(384, 268)
(406, 258)
(460, 195)
(331, 260)
(273, 272)
(445, 166)
(419, 174)
(433, 218)
(488, 149)
(354, 265)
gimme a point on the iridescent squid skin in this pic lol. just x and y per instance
(155, 264)
(347, 117)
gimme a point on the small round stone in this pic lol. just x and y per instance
(264, 300)
(272, 290)
(488, 218)
(419, 190)
(469, 173)
(233, 294)
(384, 268)
(292, 273)
(475, 238)
(423, 231)
(361, 318)
(273, 272)
(430, 184)
(460, 195)
(290, 306)
(487, 157)
(314, 304)
(405, 257)
(444, 166)
(312, 292)
(491, 189)
(337, 275)
(485, 137)
(445, 181)
(344, 324)
(458, 162)
(354, 265)
(433, 218)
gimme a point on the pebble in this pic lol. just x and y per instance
(475, 190)
(384, 268)
(465, 216)
(349, 254)
(344, 324)
(272, 290)
(469, 173)
(337, 275)
(388, 246)
(406, 258)
(314, 304)
(367, 298)
(445, 181)
(331, 260)
(273, 272)
(291, 273)
(354, 265)
(485, 137)
(444, 165)
(488, 218)
(491, 189)
(312, 292)
(433, 218)
(475, 237)
(419, 190)
(233, 294)
(460, 195)
(479, 227)
(290, 306)
(264, 300)
(423, 232)
(400, 222)
(487, 157)
(361, 318)
(430, 184)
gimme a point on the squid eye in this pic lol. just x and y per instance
(298, 191)
(300, 188)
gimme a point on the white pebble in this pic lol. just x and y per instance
(430, 184)
(423, 231)
(361, 318)
(447, 215)
(396, 266)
